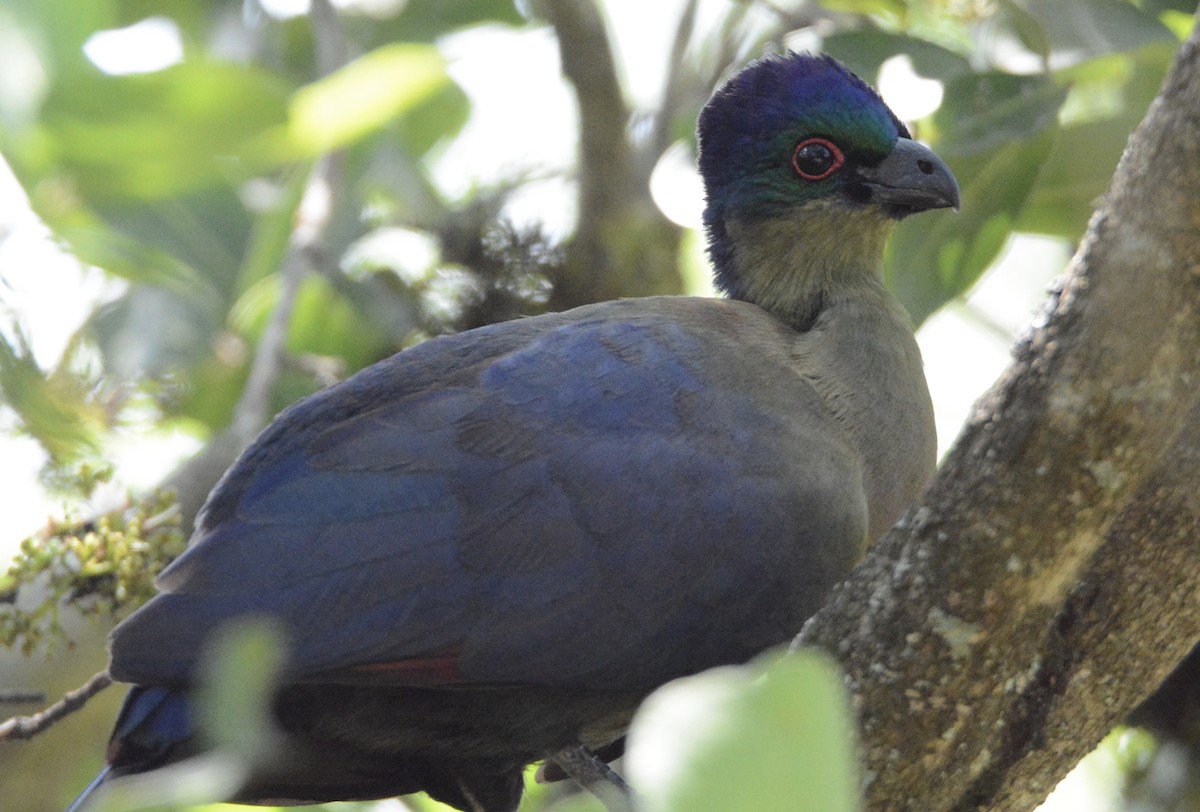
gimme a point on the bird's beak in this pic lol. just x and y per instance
(911, 179)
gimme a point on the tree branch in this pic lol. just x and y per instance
(1049, 580)
(26, 727)
(673, 94)
(623, 245)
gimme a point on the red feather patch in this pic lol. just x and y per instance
(436, 669)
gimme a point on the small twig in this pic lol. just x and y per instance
(162, 517)
(26, 727)
(589, 772)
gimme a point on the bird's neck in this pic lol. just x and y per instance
(793, 266)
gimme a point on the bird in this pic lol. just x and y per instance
(492, 546)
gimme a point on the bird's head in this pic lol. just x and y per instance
(805, 170)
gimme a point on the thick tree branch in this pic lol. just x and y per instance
(623, 245)
(1051, 577)
(678, 76)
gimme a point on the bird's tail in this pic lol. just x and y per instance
(153, 726)
(79, 803)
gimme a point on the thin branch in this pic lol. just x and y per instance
(329, 40)
(26, 727)
(605, 164)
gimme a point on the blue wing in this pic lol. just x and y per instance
(606, 498)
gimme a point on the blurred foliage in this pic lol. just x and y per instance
(773, 735)
(196, 184)
(776, 734)
(242, 662)
(54, 407)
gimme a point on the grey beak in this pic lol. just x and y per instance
(911, 179)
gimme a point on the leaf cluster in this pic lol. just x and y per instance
(103, 566)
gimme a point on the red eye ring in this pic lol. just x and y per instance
(817, 164)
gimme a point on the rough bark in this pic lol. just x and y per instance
(1050, 578)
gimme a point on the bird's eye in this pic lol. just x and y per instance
(817, 159)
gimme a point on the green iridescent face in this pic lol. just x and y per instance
(800, 152)
(792, 129)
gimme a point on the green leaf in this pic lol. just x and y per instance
(214, 386)
(272, 232)
(184, 253)
(983, 111)
(237, 676)
(866, 50)
(1181, 23)
(1027, 28)
(364, 96)
(96, 244)
(1075, 176)
(1108, 97)
(773, 735)
(437, 117)
(1079, 29)
(582, 802)
(1060, 33)
(208, 231)
(1168, 6)
(893, 8)
(153, 136)
(52, 406)
(192, 16)
(996, 132)
(153, 331)
(324, 322)
(59, 28)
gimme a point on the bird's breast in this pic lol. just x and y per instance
(863, 359)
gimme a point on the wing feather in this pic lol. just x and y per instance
(608, 498)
